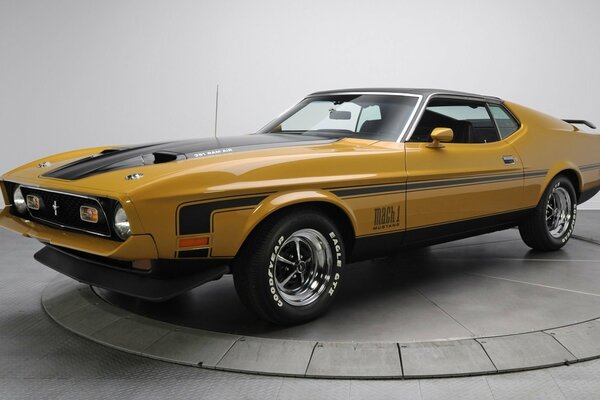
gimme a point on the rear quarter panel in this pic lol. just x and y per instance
(550, 145)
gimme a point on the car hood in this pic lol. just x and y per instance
(159, 153)
(214, 165)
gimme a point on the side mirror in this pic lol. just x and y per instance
(439, 136)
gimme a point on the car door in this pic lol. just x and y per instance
(472, 184)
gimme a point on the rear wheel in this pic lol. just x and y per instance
(290, 269)
(551, 225)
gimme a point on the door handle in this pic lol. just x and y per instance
(508, 160)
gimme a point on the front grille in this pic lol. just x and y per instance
(63, 210)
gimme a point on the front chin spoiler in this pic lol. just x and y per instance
(140, 285)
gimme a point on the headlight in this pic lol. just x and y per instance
(121, 223)
(19, 201)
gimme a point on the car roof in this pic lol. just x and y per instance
(421, 92)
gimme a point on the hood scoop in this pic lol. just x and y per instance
(108, 151)
(159, 157)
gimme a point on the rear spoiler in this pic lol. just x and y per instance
(580, 122)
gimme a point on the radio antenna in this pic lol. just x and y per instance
(216, 110)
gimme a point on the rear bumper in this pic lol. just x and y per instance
(147, 286)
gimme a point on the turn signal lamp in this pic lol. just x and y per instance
(33, 202)
(193, 242)
(88, 214)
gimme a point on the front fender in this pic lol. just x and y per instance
(279, 201)
(231, 228)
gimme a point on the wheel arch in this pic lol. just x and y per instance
(279, 204)
(569, 170)
(575, 179)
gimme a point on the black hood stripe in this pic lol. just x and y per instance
(155, 153)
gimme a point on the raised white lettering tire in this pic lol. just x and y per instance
(290, 269)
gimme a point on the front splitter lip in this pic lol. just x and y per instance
(142, 286)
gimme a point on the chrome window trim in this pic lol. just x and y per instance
(66, 226)
(510, 114)
(281, 114)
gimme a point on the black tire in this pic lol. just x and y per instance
(260, 275)
(546, 229)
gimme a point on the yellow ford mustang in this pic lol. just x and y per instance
(342, 176)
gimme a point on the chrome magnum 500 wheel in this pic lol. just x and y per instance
(290, 269)
(559, 212)
(551, 225)
(303, 267)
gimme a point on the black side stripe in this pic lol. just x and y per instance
(423, 185)
(195, 218)
(348, 192)
(589, 167)
(535, 174)
(434, 184)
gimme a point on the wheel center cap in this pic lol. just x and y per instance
(301, 266)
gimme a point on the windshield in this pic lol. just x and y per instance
(367, 116)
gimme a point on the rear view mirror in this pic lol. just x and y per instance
(333, 114)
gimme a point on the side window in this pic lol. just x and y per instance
(469, 120)
(505, 122)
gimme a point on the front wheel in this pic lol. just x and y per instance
(551, 225)
(290, 269)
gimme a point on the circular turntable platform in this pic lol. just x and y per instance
(482, 305)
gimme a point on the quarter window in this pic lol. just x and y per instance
(505, 122)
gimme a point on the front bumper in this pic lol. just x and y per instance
(137, 247)
(107, 263)
(143, 285)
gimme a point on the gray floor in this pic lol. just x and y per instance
(484, 286)
(41, 360)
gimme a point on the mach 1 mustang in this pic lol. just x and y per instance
(342, 176)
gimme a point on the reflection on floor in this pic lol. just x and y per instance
(42, 360)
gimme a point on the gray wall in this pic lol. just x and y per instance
(81, 73)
